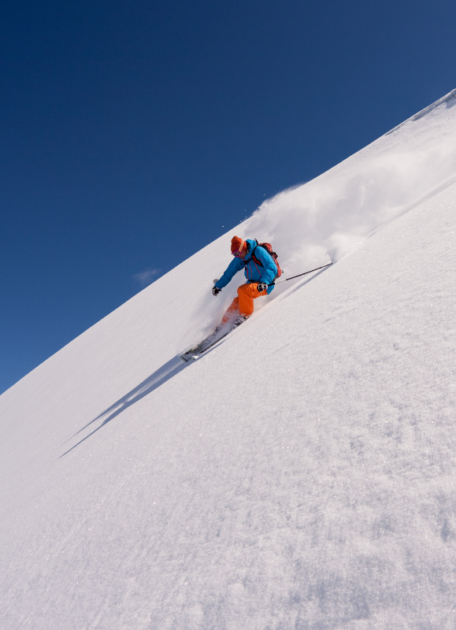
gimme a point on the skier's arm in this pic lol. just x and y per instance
(235, 265)
(269, 266)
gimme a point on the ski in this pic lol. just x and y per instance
(209, 342)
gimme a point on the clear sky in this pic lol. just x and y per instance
(133, 134)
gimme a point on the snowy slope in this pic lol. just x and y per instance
(302, 474)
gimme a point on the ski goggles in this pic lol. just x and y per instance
(237, 253)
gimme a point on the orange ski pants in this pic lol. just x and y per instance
(243, 304)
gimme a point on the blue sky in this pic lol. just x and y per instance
(133, 134)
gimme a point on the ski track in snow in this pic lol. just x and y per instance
(299, 476)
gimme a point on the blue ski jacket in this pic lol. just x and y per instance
(265, 272)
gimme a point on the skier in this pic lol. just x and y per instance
(260, 271)
(261, 268)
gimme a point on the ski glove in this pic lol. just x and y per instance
(215, 291)
(262, 286)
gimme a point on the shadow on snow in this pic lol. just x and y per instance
(155, 380)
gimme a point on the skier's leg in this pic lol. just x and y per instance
(231, 311)
(244, 303)
(247, 293)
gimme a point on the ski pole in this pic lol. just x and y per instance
(301, 274)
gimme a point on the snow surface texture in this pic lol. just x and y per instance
(301, 475)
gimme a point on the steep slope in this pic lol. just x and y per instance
(301, 475)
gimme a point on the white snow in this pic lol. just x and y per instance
(301, 475)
